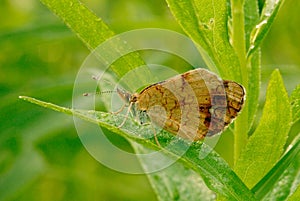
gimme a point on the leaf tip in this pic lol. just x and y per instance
(25, 98)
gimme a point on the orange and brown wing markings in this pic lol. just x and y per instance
(192, 105)
(180, 97)
(212, 101)
(235, 94)
(161, 106)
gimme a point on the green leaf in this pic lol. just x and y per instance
(206, 23)
(268, 14)
(283, 178)
(216, 173)
(252, 94)
(251, 13)
(266, 144)
(169, 185)
(295, 102)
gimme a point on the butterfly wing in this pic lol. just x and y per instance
(191, 105)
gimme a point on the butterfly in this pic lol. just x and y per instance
(191, 105)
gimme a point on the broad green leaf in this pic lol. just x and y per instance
(206, 23)
(295, 102)
(268, 14)
(216, 173)
(265, 146)
(283, 178)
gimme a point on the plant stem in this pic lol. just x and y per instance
(239, 44)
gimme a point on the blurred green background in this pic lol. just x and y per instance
(41, 156)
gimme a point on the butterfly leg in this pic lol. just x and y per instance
(126, 115)
(155, 136)
(119, 110)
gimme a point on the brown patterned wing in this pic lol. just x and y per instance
(235, 94)
(191, 105)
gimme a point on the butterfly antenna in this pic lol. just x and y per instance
(99, 93)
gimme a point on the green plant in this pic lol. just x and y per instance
(230, 36)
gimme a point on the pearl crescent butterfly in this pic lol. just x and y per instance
(191, 105)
